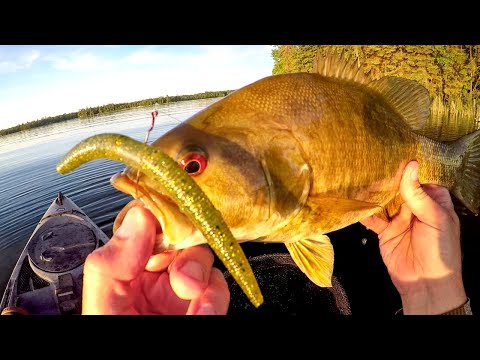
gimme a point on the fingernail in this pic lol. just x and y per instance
(193, 269)
(206, 309)
(414, 174)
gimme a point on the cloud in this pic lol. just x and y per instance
(146, 56)
(29, 59)
(78, 61)
(75, 77)
(19, 62)
(194, 56)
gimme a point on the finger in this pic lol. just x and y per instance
(124, 257)
(419, 202)
(159, 296)
(215, 299)
(161, 261)
(190, 271)
(440, 194)
(375, 224)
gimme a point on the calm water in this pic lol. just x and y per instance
(29, 181)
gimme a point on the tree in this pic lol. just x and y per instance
(448, 71)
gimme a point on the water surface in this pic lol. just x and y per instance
(29, 182)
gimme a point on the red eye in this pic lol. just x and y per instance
(194, 163)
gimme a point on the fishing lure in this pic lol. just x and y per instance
(181, 188)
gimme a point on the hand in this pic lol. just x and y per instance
(421, 249)
(123, 278)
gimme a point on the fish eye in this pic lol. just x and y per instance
(194, 163)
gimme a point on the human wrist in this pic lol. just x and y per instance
(434, 298)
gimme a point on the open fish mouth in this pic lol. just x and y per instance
(172, 180)
(175, 225)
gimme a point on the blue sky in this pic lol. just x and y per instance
(38, 81)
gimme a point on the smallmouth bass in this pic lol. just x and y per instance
(180, 190)
(290, 158)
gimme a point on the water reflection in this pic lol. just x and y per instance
(29, 181)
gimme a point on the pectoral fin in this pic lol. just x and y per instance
(315, 258)
(332, 213)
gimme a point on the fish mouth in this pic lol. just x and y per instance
(164, 173)
(176, 230)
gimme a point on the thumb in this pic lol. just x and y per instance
(419, 202)
(124, 257)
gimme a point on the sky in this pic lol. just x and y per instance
(40, 81)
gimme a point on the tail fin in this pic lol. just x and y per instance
(467, 189)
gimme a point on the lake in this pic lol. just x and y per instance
(29, 183)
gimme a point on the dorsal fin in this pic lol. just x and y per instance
(337, 66)
(410, 99)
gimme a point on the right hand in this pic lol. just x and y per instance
(421, 249)
(123, 278)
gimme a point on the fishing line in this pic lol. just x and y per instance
(166, 114)
(154, 114)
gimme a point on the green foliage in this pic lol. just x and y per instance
(104, 109)
(448, 71)
(451, 120)
(37, 123)
(293, 58)
(89, 112)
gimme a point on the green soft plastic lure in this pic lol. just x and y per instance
(181, 188)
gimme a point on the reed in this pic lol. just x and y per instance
(451, 120)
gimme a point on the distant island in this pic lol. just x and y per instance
(104, 109)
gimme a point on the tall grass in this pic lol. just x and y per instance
(450, 120)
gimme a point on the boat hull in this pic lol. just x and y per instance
(47, 279)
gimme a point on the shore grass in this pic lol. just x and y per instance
(451, 120)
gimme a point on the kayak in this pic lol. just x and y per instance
(47, 279)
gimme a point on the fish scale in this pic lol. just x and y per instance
(180, 188)
(292, 157)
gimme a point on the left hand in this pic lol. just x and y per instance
(123, 278)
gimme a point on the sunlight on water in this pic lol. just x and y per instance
(30, 183)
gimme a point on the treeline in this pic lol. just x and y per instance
(448, 71)
(98, 110)
(104, 109)
(451, 74)
(37, 123)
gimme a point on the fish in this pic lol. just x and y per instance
(291, 158)
(180, 189)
